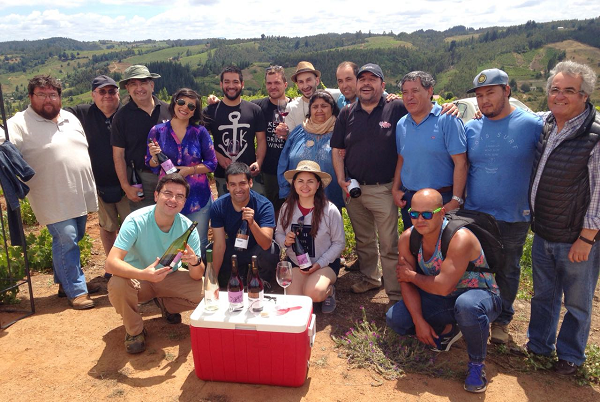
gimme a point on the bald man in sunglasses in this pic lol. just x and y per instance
(442, 300)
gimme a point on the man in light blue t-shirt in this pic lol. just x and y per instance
(501, 148)
(133, 261)
(431, 148)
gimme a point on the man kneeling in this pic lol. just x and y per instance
(144, 236)
(441, 298)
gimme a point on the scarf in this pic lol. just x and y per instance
(319, 128)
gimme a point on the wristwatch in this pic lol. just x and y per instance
(458, 199)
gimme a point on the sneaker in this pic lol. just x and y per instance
(81, 302)
(174, 318)
(363, 286)
(445, 341)
(353, 267)
(91, 287)
(329, 304)
(500, 334)
(476, 380)
(136, 344)
(564, 367)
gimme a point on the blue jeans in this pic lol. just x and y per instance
(513, 235)
(553, 275)
(65, 255)
(202, 216)
(472, 310)
(408, 195)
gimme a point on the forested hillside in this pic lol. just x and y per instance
(454, 57)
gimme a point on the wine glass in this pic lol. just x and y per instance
(284, 275)
(282, 107)
(233, 148)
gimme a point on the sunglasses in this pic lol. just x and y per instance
(181, 102)
(111, 92)
(427, 215)
(274, 68)
(300, 222)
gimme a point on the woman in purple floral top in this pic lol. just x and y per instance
(190, 148)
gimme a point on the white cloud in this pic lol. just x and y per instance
(188, 19)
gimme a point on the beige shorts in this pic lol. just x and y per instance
(110, 216)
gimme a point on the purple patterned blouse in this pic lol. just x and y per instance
(195, 148)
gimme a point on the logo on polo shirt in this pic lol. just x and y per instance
(384, 124)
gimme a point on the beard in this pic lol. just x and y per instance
(232, 98)
(46, 113)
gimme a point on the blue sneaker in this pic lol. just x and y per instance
(445, 341)
(476, 381)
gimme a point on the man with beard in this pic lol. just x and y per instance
(500, 149)
(62, 193)
(130, 128)
(276, 84)
(234, 123)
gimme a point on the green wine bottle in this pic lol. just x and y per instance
(173, 254)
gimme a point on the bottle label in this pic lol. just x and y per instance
(304, 261)
(168, 167)
(255, 300)
(235, 297)
(176, 260)
(241, 241)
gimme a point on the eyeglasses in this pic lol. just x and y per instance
(190, 105)
(53, 97)
(274, 68)
(427, 215)
(104, 92)
(169, 195)
(566, 92)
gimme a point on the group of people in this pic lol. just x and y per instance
(288, 177)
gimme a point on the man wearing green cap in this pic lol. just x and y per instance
(129, 132)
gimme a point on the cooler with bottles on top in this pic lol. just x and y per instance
(272, 347)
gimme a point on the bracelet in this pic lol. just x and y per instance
(198, 263)
(154, 160)
(586, 240)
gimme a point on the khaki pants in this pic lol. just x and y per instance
(374, 216)
(178, 292)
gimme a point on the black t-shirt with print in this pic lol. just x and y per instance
(274, 144)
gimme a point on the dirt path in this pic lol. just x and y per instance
(63, 354)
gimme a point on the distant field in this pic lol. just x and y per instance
(459, 38)
(380, 42)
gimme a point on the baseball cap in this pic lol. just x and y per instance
(372, 68)
(102, 81)
(486, 78)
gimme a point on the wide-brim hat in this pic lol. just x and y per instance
(486, 78)
(305, 67)
(311, 167)
(136, 72)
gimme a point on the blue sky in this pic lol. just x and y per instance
(192, 19)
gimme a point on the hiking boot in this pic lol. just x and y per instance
(476, 380)
(353, 267)
(564, 367)
(445, 341)
(81, 302)
(363, 286)
(135, 344)
(91, 287)
(174, 318)
(329, 304)
(500, 334)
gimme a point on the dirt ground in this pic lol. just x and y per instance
(63, 354)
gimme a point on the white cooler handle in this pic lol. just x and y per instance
(312, 332)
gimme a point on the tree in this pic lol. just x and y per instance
(525, 87)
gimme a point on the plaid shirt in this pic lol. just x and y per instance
(592, 216)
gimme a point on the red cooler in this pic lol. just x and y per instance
(258, 348)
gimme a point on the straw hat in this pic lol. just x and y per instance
(308, 166)
(305, 67)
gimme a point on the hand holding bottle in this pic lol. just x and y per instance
(189, 256)
(248, 215)
(153, 274)
(315, 267)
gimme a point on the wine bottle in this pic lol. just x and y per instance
(173, 254)
(136, 180)
(235, 287)
(211, 285)
(241, 239)
(256, 288)
(301, 256)
(165, 163)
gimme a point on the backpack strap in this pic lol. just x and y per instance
(415, 244)
(453, 226)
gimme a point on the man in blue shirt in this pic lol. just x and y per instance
(431, 148)
(226, 215)
(501, 148)
(133, 262)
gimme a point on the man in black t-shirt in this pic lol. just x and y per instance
(276, 84)
(234, 123)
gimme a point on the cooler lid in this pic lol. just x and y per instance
(293, 321)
